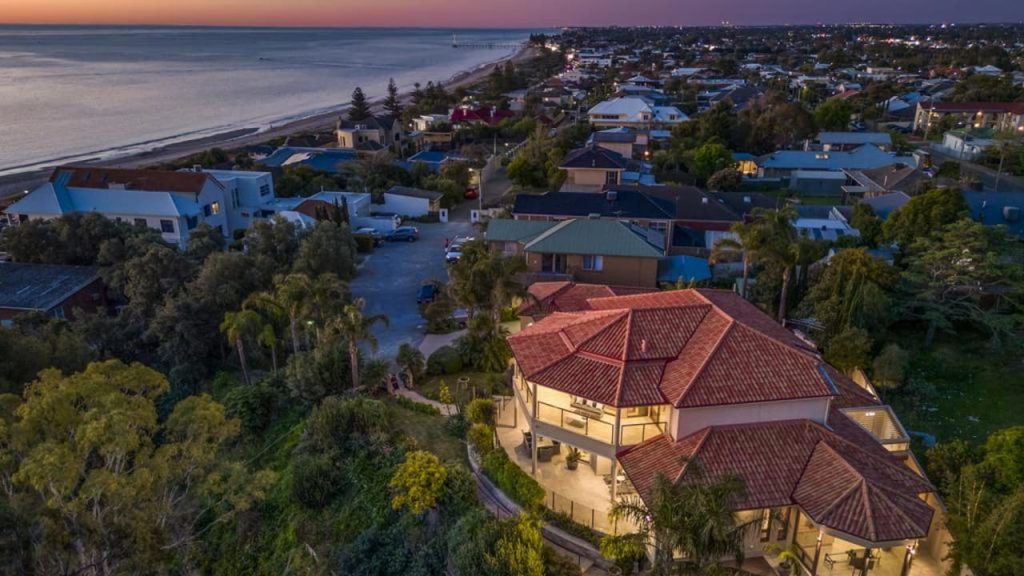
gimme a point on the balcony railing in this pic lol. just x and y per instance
(631, 434)
(575, 422)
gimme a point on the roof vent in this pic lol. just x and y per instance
(612, 195)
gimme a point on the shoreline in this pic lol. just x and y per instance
(13, 185)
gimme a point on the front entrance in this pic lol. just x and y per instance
(554, 263)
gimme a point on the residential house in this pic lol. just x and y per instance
(997, 209)
(322, 159)
(999, 116)
(593, 251)
(410, 202)
(665, 383)
(50, 289)
(566, 296)
(846, 141)
(885, 204)
(882, 181)
(591, 168)
(634, 111)
(827, 223)
(464, 115)
(172, 203)
(968, 144)
(433, 159)
(820, 172)
(370, 134)
(626, 142)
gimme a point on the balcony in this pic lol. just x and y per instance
(881, 422)
(594, 421)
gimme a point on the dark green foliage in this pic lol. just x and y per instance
(481, 411)
(417, 406)
(76, 238)
(34, 343)
(481, 438)
(870, 225)
(444, 360)
(316, 480)
(833, 114)
(254, 406)
(849, 349)
(511, 479)
(924, 214)
(329, 248)
(359, 107)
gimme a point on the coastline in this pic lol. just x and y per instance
(12, 185)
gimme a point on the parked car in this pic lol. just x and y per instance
(471, 193)
(378, 238)
(404, 234)
(426, 294)
(461, 317)
(453, 254)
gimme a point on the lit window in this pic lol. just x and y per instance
(215, 208)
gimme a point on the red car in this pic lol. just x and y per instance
(471, 193)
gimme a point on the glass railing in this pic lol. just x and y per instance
(575, 422)
(631, 434)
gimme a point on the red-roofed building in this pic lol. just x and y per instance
(645, 384)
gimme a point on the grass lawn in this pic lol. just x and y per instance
(429, 432)
(484, 384)
(960, 388)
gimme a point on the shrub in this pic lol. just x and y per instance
(316, 479)
(481, 411)
(364, 243)
(513, 481)
(481, 438)
(566, 523)
(416, 406)
(457, 425)
(445, 360)
(252, 405)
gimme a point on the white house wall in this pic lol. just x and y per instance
(689, 420)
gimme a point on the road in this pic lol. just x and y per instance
(987, 176)
(389, 278)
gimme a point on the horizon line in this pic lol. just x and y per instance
(538, 27)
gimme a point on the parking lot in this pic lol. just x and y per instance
(389, 278)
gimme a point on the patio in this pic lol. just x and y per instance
(840, 557)
(583, 494)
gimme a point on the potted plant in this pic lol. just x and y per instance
(787, 559)
(572, 459)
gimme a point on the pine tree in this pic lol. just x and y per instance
(360, 108)
(391, 103)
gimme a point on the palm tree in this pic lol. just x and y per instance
(748, 240)
(354, 327)
(411, 361)
(273, 316)
(238, 326)
(779, 245)
(308, 299)
(695, 517)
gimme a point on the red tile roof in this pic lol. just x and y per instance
(569, 296)
(847, 483)
(688, 348)
(146, 180)
(487, 115)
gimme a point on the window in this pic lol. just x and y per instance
(234, 198)
(206, 210)
(264, 189)
(211, 209)
(192, 222)
(167, 226)
(593, 263)
(765, 526)
(611, 177)
(553, 263)
(140, 221)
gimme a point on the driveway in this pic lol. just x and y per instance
(389, 278)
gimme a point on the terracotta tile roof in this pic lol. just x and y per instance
(145, 180)
(569, 296)
(704, 347)
(849, 485)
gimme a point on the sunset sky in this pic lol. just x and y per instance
(501, 13)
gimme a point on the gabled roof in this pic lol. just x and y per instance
(594, 157)
(860, 158)
(597, 237)
(632, 204)
(840, 476)
(855, 138)
(41, 286)
(688, 348)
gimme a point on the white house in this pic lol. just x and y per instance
(172, 202)
(967, 144)
(634, 111)
(409, 202)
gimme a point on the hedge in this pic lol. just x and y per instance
(481, 438)
(417, 406)
(513, 481)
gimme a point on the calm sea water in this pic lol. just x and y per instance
(69, 93)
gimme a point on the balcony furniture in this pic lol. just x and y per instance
(863, 565)
(830, 561)
(587, 410)
(575, 422)
(528, 441)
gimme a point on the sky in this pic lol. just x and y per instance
(503, 13)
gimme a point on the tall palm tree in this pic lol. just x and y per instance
(273, 316)
(238, 327)
(748, 241)
(780, 244)
(327, 294)
(292, 294)
(308, 300)
(694, 517)
(354, 327)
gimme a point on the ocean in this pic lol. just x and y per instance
(72, 93)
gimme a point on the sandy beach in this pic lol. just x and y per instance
(13, 185)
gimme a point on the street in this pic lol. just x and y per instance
(389, 278)
(987, 176)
